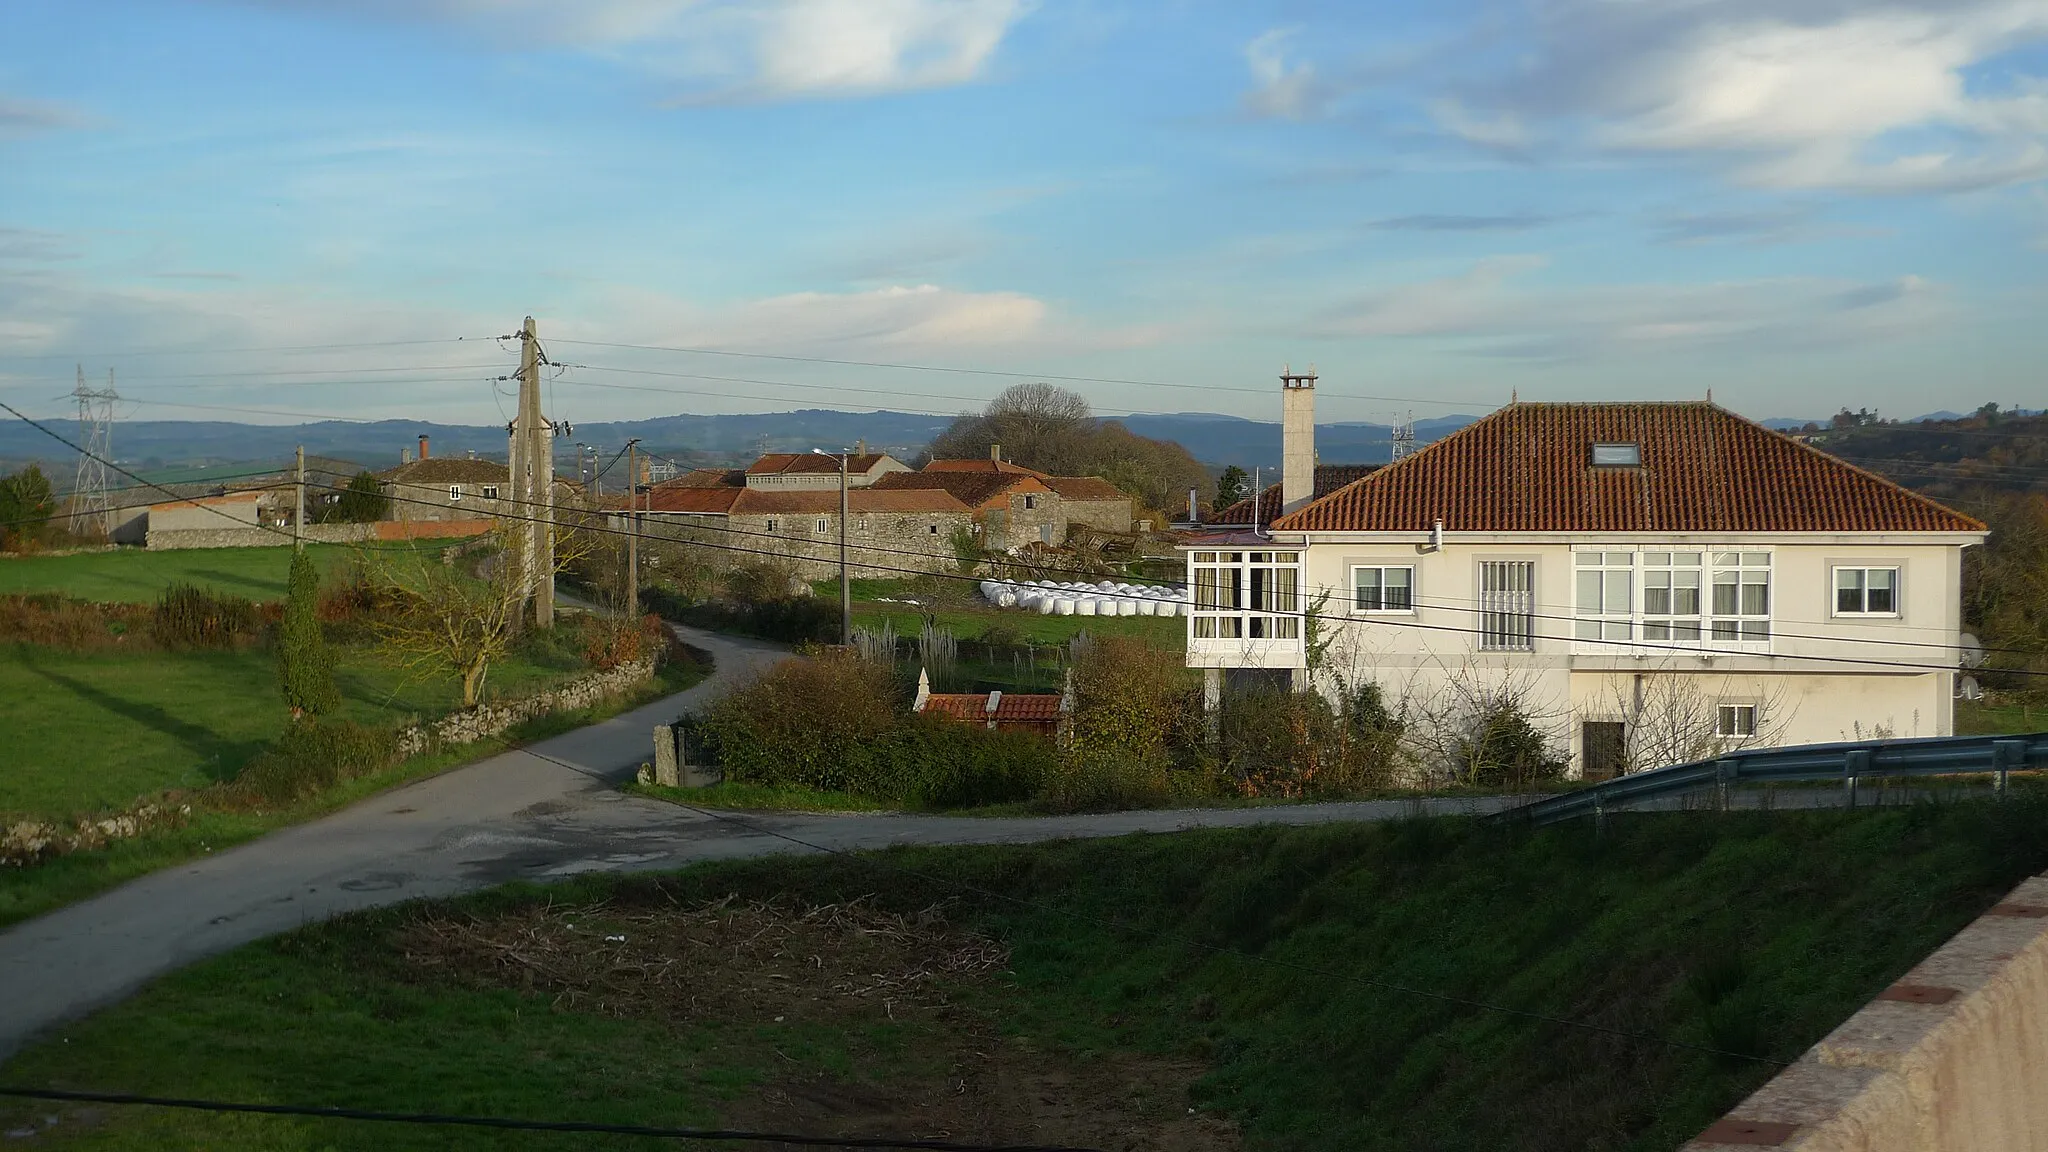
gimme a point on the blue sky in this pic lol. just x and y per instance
(1799, 204)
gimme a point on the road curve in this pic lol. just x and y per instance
(531, 814)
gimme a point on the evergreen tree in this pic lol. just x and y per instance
(1230, 487)
(303, 670)
(362, 502)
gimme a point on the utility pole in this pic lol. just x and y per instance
(845, 582)
(632, 529)
(532, 476)
(299, 504)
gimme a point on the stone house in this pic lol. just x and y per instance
(791, 471)
(1651, 583)
(434, 488)
(889, 534)
(1014, 505)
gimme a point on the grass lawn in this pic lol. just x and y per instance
(136, 575)
(27, 892)
(95, 730)
(1241, 973)
(1988, 718)
(968, 617)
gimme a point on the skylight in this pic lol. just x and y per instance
(1617, 455)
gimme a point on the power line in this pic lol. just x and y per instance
(515, 1125)
(188, 350)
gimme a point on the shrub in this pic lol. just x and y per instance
(1274, 742)
(55, 621)
(310, 758)
(610, 642)
(1105, 780)
(188, 616)
(304, 671)
(1501, 748)
(1133, 700)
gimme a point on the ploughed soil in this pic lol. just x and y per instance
(907, 1057)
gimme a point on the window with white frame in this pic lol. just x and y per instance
(1742, 596)
(490, 491)
(1604, 596)
(1030, 501)
(1673, 607)
(1245, 595)
(455, 493)
(771, 523)
(1507, 605)
(1735, 720)
(824, 526)
(1382, 588)
(1866, 591)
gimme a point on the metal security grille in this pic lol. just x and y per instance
(1507, 605)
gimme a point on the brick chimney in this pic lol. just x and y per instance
(1297, 438)
(423, 447)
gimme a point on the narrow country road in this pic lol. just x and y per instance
(514, 816)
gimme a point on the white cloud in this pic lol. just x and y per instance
(1490, 310)
(23, 117)
(743, 49)
(1788, 94)
(1279, 89)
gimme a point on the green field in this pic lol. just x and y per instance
(94, 730)
(1156, 990)
(134, 575)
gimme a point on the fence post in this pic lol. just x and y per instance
(1855, 762)
(2006, 755)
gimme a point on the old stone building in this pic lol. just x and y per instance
(789, 471)
(888, 533)
(452, 488)
(1015, 505)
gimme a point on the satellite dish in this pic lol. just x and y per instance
(1967, 688)
(1972, 652)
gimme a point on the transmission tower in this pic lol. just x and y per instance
(1404, 436)
(92, 511)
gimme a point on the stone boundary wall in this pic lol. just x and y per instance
(488, 720)
(1952, 1058)
(160, 540)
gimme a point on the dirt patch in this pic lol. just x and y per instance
(887, 984)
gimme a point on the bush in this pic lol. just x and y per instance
(188, 616)
(1097, 780)
(1274, 742)
(304, 670)
(1501, 748)
(310, 758)
(1133, 700)
(837, 723)
(791, 620)
(55, 621)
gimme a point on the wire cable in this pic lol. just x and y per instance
(503, 1123)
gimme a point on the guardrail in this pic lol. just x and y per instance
(1995, 756)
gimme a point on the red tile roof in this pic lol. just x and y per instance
(707, 478)
(1329, 478)
(979, 465)
(702, 501)
(1528, 468)
(970, 488)
(810, 462)
(1012, 708)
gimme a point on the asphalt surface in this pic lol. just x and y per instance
(546, 812)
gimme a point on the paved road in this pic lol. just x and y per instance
(514, 816)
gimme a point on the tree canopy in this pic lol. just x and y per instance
(1054, 430)
(362, 502)
(26, 508)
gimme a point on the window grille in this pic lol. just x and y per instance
(1507, 605)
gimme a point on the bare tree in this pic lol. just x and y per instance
(1675, 717)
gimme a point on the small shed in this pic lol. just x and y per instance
(1043, 713)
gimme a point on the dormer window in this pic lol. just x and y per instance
(1617, 455)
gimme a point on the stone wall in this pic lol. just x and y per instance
(315, 533)
(1106, 515)
(885, 545)
(488, 720)
(1952, 1058)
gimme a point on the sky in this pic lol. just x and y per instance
(269, 210)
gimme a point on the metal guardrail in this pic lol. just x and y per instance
(1847, 762)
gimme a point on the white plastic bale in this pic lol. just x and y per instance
(1006, 600)
(1146, 607)
(1084, 607)
(1063, 607)
(1126, 607)
(1047, 605)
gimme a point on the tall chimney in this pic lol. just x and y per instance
(423, 447)
(1297, 438)
(995, 453)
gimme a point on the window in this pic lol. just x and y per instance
(1866, 591)
(1742, 596)
(1246, 595)
(1672, 607)
(1735, 720)
(1605, 596)
(454, 493)
(932, 530)
(861, 523)
(771, 523)
(1617, 455)
(1030, 501)
(1507, 605)
(824, 526)
(490, 491)
(1377, 589)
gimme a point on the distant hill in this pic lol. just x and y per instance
(148, 445)
(1950, 458)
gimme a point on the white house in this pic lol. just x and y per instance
(1651, 582)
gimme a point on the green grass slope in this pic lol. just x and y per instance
(1272, 957)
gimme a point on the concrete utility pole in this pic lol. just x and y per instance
(845, 581)
(532, 476)
(299, 503)
(632, 529)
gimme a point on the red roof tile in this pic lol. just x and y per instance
(1012, 708)
(707, 478)
(980, 465)
(825, 501)
(1528, 468)
(702, 501)
(1329, 478)
(970, 488)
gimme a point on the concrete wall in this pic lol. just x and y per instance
(1952, 1058)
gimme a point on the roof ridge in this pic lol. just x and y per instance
(1866, 473)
